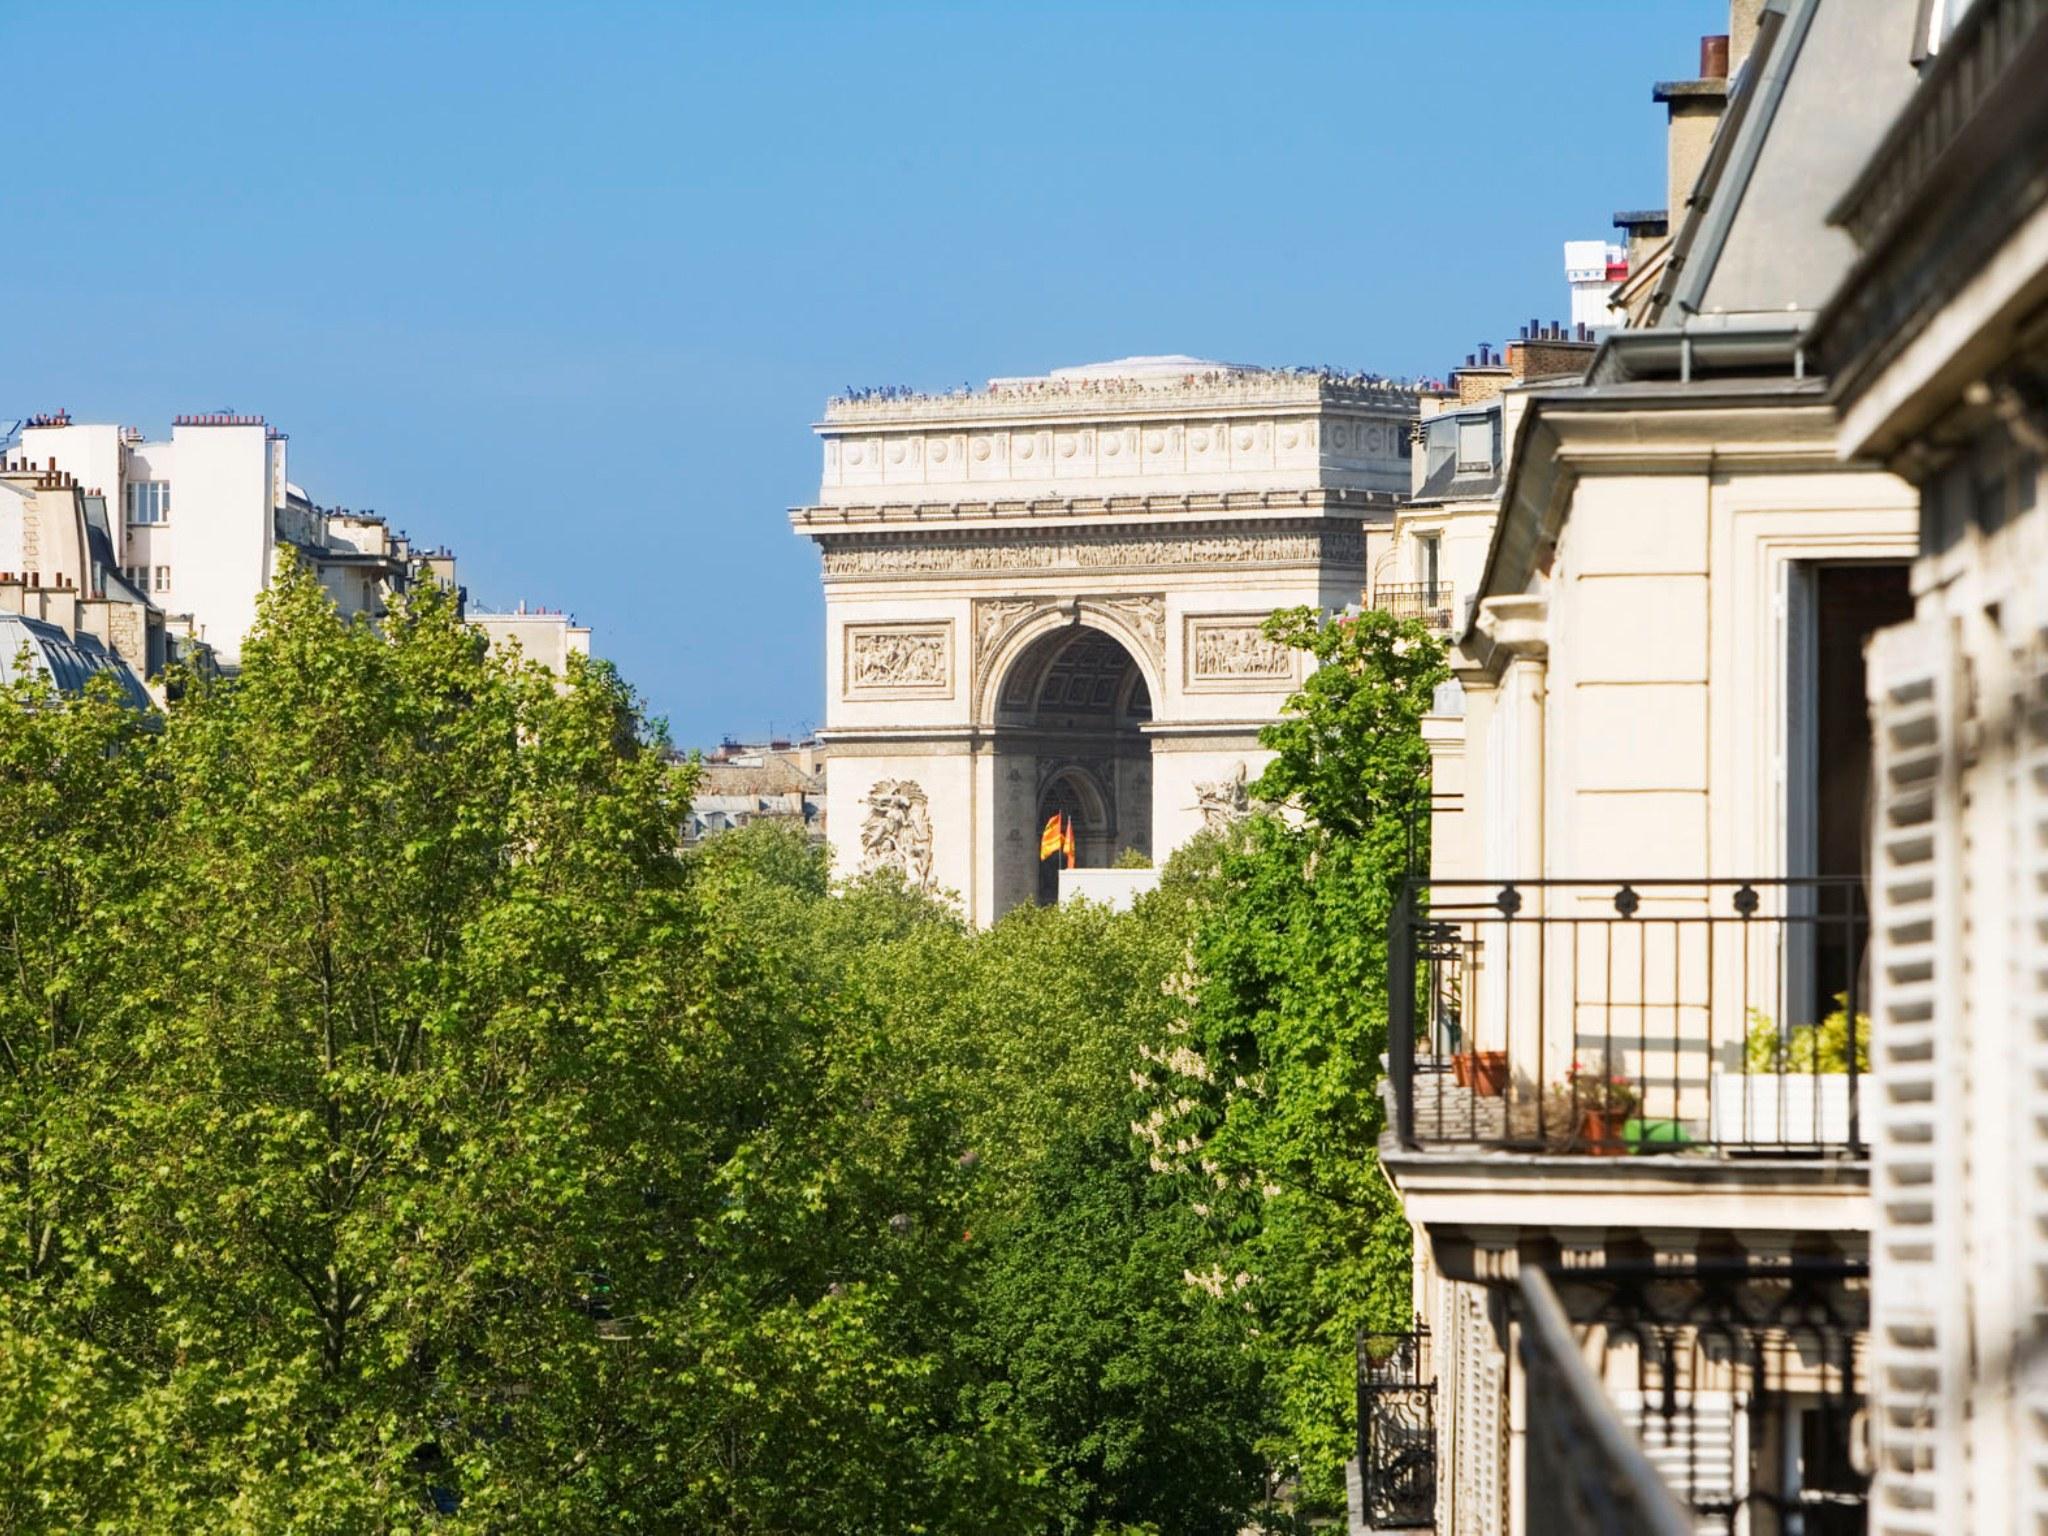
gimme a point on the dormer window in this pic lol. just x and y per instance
(149, 501)
(1475, 445)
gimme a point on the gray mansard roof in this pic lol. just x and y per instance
(68, 661)
(1755, 258)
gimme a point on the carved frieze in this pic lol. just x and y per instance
(898, 660)
(1336, 546)
(1229, 653)
(896, 834)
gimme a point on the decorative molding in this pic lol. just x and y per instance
(1197, 551)
(1145, 616)
(1027, 504)
(1228, 653)
(897, 832)
(995, 617)
(894, 661)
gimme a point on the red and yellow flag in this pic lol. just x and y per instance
(1067, 842)
(1050, 840)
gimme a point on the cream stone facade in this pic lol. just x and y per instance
(1643, 1219)
(1045, 597)
(1938, 349)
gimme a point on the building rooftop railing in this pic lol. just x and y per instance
(1430, 602)
(1608, 1018)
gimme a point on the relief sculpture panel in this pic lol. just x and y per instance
(898, 660)
(1231, 654)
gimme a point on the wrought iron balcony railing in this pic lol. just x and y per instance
(1428, 602)
(1721, 1396)
(1616, 1017)
(1397, 1430)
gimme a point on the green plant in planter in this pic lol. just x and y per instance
(1822, 1047)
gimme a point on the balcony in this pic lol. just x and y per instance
(1427, 601)
(1618, 1018)
(1397, 1431)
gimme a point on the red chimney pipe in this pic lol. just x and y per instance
(1714, 57)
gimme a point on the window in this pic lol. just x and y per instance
(149, 501)
(163, 578)
(1832, 609)
(1475, 444)
(137, 576)
(1427, 551)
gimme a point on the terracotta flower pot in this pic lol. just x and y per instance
(1461, 1068)
(1602, 1132)
(1489, 1073)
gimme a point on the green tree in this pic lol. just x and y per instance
(426, 1137)
(1273, 1119)
(1138, 1404)
(76, 808)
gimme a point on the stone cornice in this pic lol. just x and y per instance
(1060, 512)
(1518, 625)
(1654, 434)
(1662, 429)
(1097, 399)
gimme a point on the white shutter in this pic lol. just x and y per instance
(2028, 989)
(1917, 1321)
(1479, 1437)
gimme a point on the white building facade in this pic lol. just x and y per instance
(1044, 598)
(199, 521)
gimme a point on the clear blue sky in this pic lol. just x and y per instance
(565, 285)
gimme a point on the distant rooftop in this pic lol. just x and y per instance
(1171, 368)
(70, 661)
(1129, 383)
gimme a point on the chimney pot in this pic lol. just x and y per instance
(1714, 57)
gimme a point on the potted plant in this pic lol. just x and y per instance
(1489, 1073)
(1484, 1072)
(1598, 1103)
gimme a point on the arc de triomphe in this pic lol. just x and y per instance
(1046, 596)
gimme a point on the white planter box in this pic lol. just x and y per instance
(1799, 1108)
(1112, 888)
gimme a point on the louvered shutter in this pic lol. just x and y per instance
(2029, 992)
(1919, 1056)
(1479, 1443)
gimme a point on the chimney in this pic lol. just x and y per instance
(1694, 109)
(1743, 16)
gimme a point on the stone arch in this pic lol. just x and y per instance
(1064, 717)
(1017, 642)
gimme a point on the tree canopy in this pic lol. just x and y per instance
(399, 1130)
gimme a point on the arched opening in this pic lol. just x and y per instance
(1069, 731)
